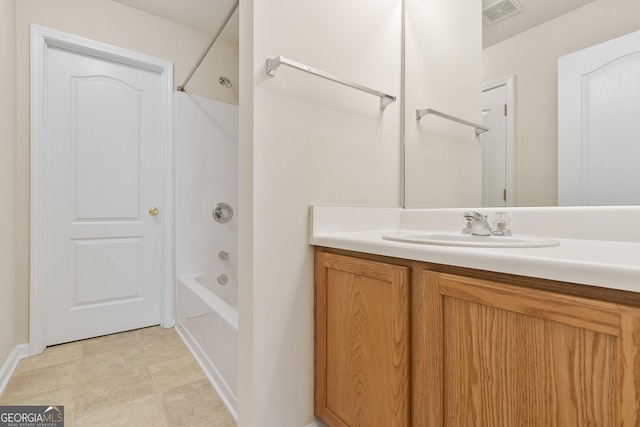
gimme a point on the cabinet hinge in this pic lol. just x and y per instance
(505, 109)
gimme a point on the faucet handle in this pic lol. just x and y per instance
(500, 222)
(467, 228)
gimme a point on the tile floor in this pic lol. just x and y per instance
(145, 377)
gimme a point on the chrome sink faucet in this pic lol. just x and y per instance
(477, 224)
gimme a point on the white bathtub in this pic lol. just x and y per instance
(207, 321)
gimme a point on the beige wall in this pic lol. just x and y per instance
(443, 159)
(533, 56)
(108, 22)
(305, 140)
(8, 311)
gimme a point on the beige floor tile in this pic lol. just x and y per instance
(145, 377)
(166, 347)
(113, 386)
(145, 412)
(195, 404)
(64, 396)
(121, 346)
(100, 368)
(120, 341)
(155, 333)
(35, 381)
(175, 372)
(56, 355)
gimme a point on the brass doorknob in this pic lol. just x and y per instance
(153, 211)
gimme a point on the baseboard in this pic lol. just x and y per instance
(6, 370)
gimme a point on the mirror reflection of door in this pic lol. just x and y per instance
(493, 148)
(598, 132)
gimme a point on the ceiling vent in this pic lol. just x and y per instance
(500, 10)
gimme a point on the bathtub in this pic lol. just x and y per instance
(207, 321)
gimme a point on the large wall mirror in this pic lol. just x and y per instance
(523, 50)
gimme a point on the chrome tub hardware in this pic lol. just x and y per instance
(222, 212)
(223, 255)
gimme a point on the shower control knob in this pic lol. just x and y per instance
(222, 212)
(223, 255)
(223, 279)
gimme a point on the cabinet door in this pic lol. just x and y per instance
(502, 355)
(362, 342)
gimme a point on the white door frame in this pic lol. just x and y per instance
(509, 83)
(41, 39)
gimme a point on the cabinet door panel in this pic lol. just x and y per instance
(362, 335)
(513, 356)
(505, 368)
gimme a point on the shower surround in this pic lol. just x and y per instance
(206, 249)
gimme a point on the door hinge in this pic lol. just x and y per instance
(505, 109)
(504, 194)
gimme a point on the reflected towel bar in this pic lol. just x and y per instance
(273, 64)
(479, 129)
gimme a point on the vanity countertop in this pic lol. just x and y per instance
(604, 263)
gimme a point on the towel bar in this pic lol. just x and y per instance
(479, 129)
(273, 64)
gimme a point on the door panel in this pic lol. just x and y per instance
(106, 143)
(598, 136)
(103, 172)
(494, 147)
(96, 279)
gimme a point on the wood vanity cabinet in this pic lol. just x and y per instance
(362, 342)
(482, 350)
(493, 354)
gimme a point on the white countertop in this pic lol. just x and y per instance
(605, 263)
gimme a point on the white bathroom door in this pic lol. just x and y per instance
(598, 132)
(103, 170)
(494, 147)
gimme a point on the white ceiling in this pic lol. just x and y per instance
(203, 15)
(207, 15)
(535, 13)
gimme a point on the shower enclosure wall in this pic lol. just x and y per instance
(206, 249)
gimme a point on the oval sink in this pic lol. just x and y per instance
(443, 238)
